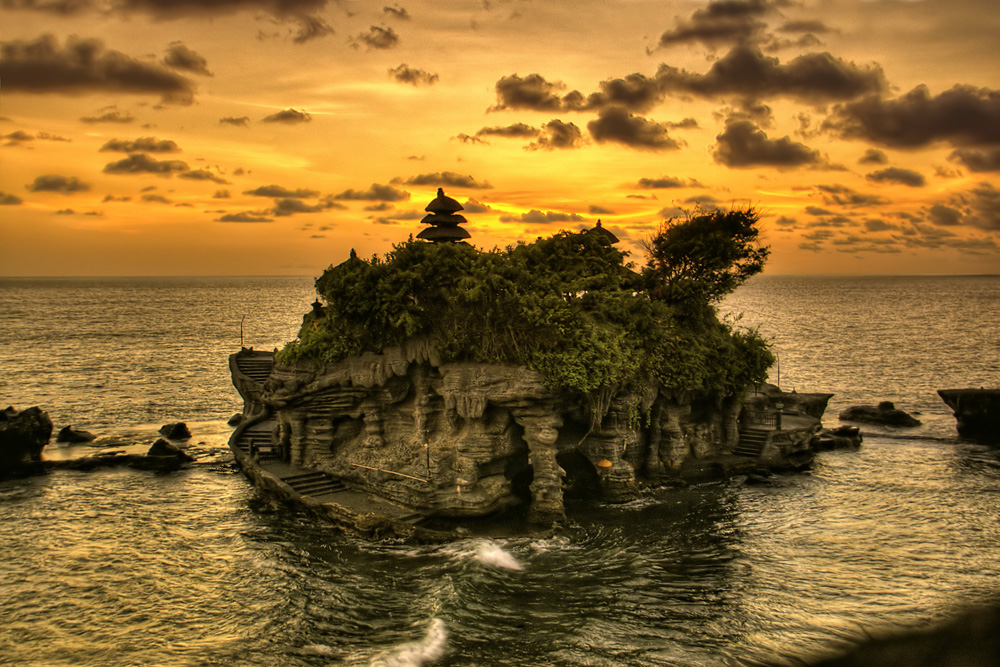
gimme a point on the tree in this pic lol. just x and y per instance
(699, 260)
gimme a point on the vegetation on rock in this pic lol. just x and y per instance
(568, 306)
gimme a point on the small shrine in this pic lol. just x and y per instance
(444, 220)
(601, 232)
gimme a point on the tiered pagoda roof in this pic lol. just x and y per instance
(444, 220)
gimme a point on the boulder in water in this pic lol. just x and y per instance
(885, 413)
(162, 456)
(71, 435)
(23, 436)
(977, 411)
(178, 431)
(236, 419)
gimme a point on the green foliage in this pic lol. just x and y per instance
(567, 306)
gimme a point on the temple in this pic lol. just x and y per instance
(444, 220)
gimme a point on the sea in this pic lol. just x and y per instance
(119, 567)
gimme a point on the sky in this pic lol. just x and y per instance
(270, 137)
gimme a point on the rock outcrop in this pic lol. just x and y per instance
(72, 436)
(977, 411)
(23, 436)
(885, 413)
(177, 431)
(469, 439)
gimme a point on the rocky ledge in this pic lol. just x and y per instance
(977, 411)
(885, 414)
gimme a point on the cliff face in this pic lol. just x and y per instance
(468, 439)
(977, 411)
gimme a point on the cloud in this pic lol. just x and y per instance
(379, 38)
(175, 9)
(221, 194)
(442, 179)
(141, 145)
(976, 160)
(284, 207)
(397, 12)
(203, 175)
(413, 76)
(979, 207)
(19, 136)
(517, 130)
(140, 163)
(528, 92)
(944, 216)
(156, 199)
(181, 57)
(743, 144)
(873, 156)
(9, 200)
(617, 125)
(310, 28)
(109, 117)
(878, 225)
(84, 66)
(721, 22)
(845, 196)
(816, 27)
(375, 192)
(813, 77)
(289, 117)
(113, 198)
(475, 206)
(242, 121)
(536, 216)
(557, 135)
(897, 175)
(665, 182)
(55, 183)
(962, 116)
(599, 210)
(281, 192)
(64, 7)
(635, 92)
(246, 216)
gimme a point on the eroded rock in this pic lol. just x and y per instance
(885, 413)
(72, 436)
(178, 431)
(23, 436)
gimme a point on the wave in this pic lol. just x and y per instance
(494, 555)
(428, 650)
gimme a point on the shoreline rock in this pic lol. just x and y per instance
(178, 431)
(70, 435)
(885, 414)
(23, 436)
(977, 411)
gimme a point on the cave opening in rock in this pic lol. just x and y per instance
(581, 479)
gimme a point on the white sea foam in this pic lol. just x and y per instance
(428, 650)
(491, 553)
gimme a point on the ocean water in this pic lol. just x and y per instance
(122, 567)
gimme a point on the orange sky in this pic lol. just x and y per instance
(214, 137)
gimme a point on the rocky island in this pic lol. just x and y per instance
(977, 411)
(444, 383)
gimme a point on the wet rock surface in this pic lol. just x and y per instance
(977, 412)
(177, 431)
(70, 435)
(885, 413)
(23, 436)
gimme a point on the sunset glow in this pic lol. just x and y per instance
(240, 137)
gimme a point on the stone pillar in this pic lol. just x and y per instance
(297, 439)
(541, 434)
(731, 409)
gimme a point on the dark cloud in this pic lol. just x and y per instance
(617, 125)
(176, 9)
(599, 210)
(383, 206)
(962, 116)
(897, 175)
(743, 144)
(469, 139)
(721, 22)
(944, 216)
(475, 206)
(785, 221)
(557, 135)
(109, 117)
(977, 160)
(242, 121)
(815, 210)
(112, 198)
(203, 175)
(55, 183)
(246, 216)
(397, 12)
(536, 216)
(378, 37)
(9, 200)
(281, 192)
(221, 194)
(181, 57)
(64, 7)
(375, 192)
(310, 28)
(417, 77)
(816, 27)
(289, 117)
(813, 77)
(877, 225)
(442, 179)
(528, 92)
(665, 182)
(140, 163)
(141, 145)
(979, 207)
(51, 137)
(283, 207)
(873, 156)
(18, 137)
(83, 66)
(156, 199)
(845, 196)
(635, 92)
(65, 211)
(518, 130)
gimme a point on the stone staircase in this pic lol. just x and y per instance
(261, 435)
(314, 483)
(752, 441)
(256, 366)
